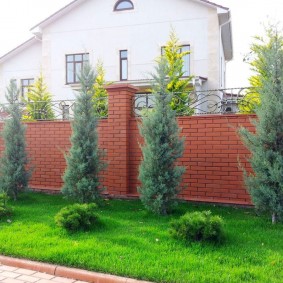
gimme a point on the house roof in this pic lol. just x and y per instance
(36, 30)
(214, 4)
(57, 14)
(75, 3)
(18, 49)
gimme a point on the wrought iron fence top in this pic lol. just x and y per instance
(215, 101)
(53, 110)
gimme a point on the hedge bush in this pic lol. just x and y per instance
(77, 217)
(198, 226)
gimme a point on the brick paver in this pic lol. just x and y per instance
(14, 270)
(10, 274)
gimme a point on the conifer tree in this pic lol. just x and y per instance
(265, 183)
(14, 174)
(177, 84)
(38, 101)
(81, 178)
(100, 96)
(159, 175)
(255, 59)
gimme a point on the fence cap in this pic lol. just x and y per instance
(122, 86)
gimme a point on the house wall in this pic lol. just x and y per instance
(94, 27)
(211, 156)
(23, 65)
(222, 71)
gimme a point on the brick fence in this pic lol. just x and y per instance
(212, 152)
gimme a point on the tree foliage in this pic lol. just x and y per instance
(160, 177)
(265, 183)
(177, 84)
(257, 60)
(14, 161)
(38, 101)
(81, 178)
(100, 96)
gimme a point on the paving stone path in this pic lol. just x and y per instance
(20, 275)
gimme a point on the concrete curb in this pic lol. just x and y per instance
(61, 271)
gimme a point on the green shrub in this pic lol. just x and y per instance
(77, 217)
(4, 209)
(198, 226)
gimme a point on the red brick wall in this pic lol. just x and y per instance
(47, 142)
(211, 157)
(212, 151)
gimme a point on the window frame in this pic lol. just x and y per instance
(123, 9)
(122, 59)
(25, 87)
(74, 63)
(189, 59)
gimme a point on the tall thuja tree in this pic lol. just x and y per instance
(81, 178)
(38, 101)
(265, 183)
(14, 173)
(178, 84)
(159, 175)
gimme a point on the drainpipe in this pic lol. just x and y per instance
(220, 44)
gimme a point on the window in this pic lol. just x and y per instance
(186, 59)
(123, 65)
(25, 85)
(74, 64)
(124, 5)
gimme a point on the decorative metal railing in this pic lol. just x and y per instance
(217, 101)
(55, 110)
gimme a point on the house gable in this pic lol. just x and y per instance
(23, 62)
(93, 27)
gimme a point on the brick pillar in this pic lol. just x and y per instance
(119, 114)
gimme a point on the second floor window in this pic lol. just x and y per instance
(25, 85)
(74, 65)
(123, 65)
(186, 59)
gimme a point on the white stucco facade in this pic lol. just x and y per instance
(91, 26)
(22, 63)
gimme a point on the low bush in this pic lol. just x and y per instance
(77, 217)
(5, 210)
(198, 226)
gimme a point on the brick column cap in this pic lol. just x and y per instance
(121, 87)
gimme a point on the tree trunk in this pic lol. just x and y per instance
(273, 218)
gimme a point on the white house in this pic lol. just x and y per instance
(127, 36)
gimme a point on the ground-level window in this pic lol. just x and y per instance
(123, 65)
(186, 58)
(74, 65)
(25, 85)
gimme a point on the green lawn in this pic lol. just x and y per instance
(131, 242)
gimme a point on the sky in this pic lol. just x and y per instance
(248, 17)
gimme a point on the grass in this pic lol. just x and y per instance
(132, 242)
